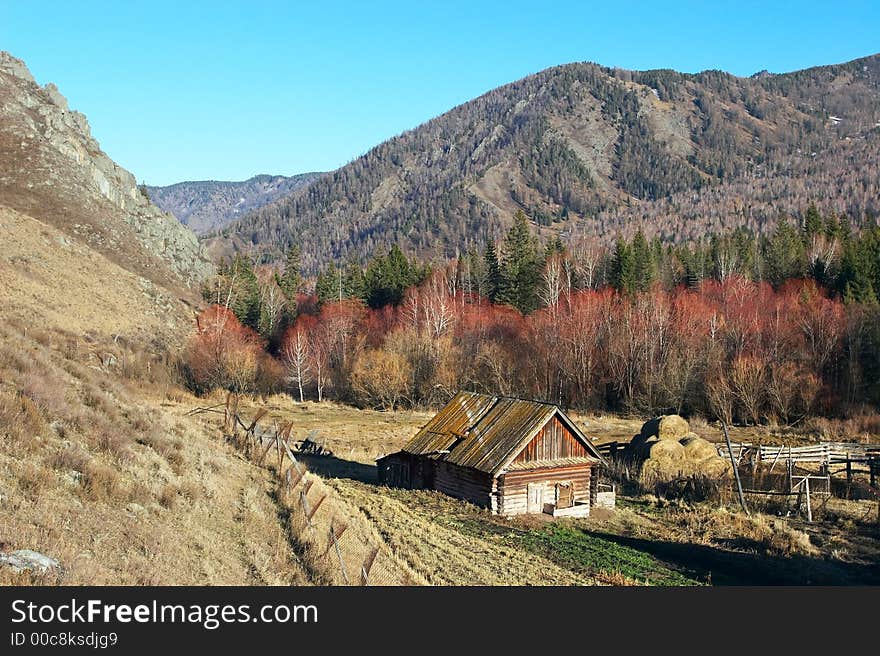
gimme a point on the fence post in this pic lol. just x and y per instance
(338, 554)
(739, 489)
(809, 508)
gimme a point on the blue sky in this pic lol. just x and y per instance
(224, 90)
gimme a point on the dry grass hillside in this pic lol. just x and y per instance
(52, 279)
(100, 472)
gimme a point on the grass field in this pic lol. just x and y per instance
(645, 541)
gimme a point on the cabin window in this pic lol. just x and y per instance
(565, 494)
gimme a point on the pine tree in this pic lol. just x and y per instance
(494, 279)
(521, 267)
(623, 275)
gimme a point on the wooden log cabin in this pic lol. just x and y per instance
(510, 455)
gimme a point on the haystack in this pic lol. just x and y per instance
(667, 449)
(697, 448)
(666, 427)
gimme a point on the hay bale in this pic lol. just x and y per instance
(665, 451)
(666, 427)
(637, 444)
(673, 427)
(654, 470)
(696, 448)
(713, 466)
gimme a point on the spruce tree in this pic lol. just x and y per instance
(521, 266)
(328, 286)
(642, 262)
(290, 280)
(245, 301)
(353, 282)
(387, 278)
(813, 223)
(623, 275)
(494, 279)
(785, 255)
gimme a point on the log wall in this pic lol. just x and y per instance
(513, 486)
(464, 483)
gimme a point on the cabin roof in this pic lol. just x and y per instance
(486, 432)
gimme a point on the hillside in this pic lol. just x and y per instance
(596, 149)
(206, 205)
(98, 470)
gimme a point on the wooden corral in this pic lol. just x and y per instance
(509, 455)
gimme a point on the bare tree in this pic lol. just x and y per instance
(297, 354)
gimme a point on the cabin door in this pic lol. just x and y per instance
(564, 495)
(535, 503)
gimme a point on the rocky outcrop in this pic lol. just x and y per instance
(51, 151)
(26, 560)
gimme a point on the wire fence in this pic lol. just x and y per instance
(342, 549)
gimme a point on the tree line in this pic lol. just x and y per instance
(742, 327)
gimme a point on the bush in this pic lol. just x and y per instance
(381, 378)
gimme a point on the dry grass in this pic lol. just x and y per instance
(709, 526)
(863, 427)
(441, 553)
(99, 472)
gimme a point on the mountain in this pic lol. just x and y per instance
(83, 248)
(599, 150)
(206, 205)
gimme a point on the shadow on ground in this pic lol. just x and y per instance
(333, 467)
(723, 567)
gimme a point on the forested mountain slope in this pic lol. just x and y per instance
(209, 204)
(585, 147)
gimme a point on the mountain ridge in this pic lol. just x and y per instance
(204, 205)
(587, 148)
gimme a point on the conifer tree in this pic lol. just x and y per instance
(245, 298)
(494, 279)
(623, 275)
(354, 285)
(785, 255)
(642, 262)
(328, 286)
(521, 266)
(290, 280)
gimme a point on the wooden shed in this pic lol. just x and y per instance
(511, 455)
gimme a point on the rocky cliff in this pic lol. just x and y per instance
(52, 168)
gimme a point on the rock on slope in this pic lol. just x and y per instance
(52, 169)
(209, 204)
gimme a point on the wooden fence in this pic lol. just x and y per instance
(257, 442)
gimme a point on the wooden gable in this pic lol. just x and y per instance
(554, 441)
